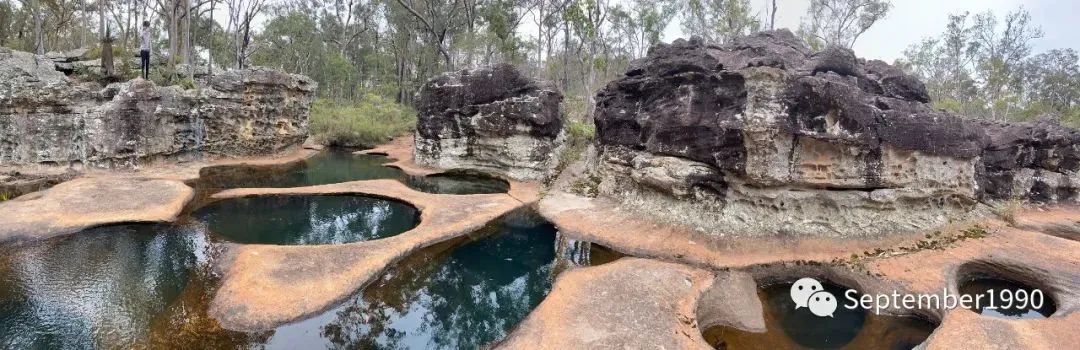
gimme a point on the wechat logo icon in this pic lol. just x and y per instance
(808, 292)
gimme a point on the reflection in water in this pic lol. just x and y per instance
(790, 328)
(187, 324)
(323, 168)
(1008, 297)
(458, 184)
(98, 288)
(307, 219)
(337, 166)
(572, 253)
(461, 294)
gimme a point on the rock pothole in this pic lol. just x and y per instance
(1002, 291)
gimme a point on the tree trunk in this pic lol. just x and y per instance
(106, 43)
(39, 34)
(210, 46)
(186, 43)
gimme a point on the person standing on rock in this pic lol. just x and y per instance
(144, 49)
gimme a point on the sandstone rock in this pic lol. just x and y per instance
(86, 202)
(761, 136)
(493, 119)
(45, 118)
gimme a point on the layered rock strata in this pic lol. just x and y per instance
(762, 136)
(493, 119)
(47, 118)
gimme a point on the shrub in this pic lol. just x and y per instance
(371, 121)
(578, 137)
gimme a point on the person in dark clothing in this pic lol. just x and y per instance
(144, 49)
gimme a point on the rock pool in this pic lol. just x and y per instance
(791, 328)
(292, 220)
(336, 166)
(99, 288)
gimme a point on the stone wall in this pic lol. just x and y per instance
(763, 136)
(494, 120)
(47, 118)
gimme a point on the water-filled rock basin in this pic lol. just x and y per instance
(301, 220)
(791, 328)
(461, 294)
(337, 166)
(100, 288)
(1009, 299)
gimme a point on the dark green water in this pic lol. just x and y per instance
(1011, 300)
(138, 286)
(295, 220)
(791, 328)
(456, 295)
(337, 166)
(94, 289)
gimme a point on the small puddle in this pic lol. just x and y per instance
(791, 328)
(95, 289)
(1010, 299)
(461, 294)
(299, 220)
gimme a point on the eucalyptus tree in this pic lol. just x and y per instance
(719, 20)
(841, 22)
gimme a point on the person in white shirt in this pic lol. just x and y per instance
(144, 49)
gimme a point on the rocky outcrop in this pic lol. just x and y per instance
(494, 119)
(46, 118)
(763, 136)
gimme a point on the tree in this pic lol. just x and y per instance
(719, 20)
(640, 24)
(981, 68)
(242, 13)
(439, 19)
(841, 22)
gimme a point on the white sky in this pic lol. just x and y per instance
(911, 20)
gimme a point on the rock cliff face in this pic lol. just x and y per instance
(492, 119)
(763, 136)
(47, 118)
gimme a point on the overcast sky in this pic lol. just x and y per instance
(911, 20)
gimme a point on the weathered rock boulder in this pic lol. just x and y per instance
(494, 119)
(763, 136)
(46, 118)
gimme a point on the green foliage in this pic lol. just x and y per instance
(577, 109)
(579, 135)
(981, 68)
(719, 20)
(371, 121)
(840, 22)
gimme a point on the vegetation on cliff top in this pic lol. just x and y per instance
(982, 65)
(368, 122)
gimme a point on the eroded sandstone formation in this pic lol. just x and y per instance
(47, 118)
(762, 136)
(494, 119)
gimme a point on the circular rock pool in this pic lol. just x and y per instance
(788, 327)
(307, 220)
(1004, 298)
